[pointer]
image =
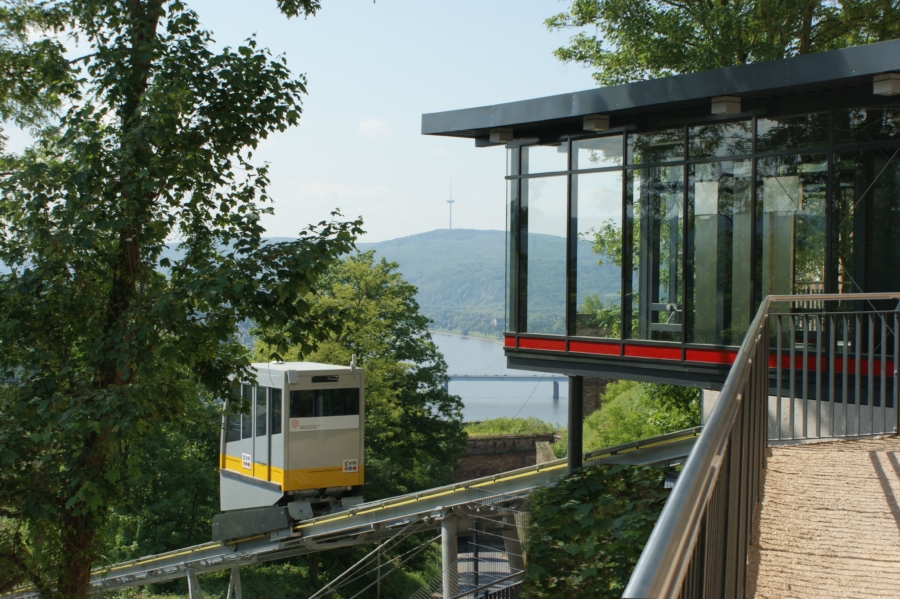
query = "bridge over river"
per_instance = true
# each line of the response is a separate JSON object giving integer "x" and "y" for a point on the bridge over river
{"x": 532, "y": 378}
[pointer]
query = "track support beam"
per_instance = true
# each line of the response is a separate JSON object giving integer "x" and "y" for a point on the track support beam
{"x": 448, "y": 554}
{"x": 234, "y": 584}
{"x": 194, "y": 590}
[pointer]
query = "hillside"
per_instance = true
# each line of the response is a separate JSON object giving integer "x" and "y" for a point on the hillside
{"x": 460, "y": 274}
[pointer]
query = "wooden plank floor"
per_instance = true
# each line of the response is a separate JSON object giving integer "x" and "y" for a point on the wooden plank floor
{"x": 828, "y": 524}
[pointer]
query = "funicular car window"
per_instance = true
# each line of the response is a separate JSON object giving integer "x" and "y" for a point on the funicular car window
{"x": 324, "y": 402}
{"x": 246, "y": 420}
{"x": 275, "y": 410}
{"x": 261, "y": 404}
{"x": 233, "y": 424}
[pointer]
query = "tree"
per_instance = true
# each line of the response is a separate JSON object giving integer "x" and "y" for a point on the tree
{"x": 414, "y": 431}
{"x": 640, "y": 39}
{"x": 587, "y": 532}
{"x": 146, "y": 138}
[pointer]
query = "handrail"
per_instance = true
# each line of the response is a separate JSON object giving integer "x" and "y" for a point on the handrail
{"x": 661, "y": 569}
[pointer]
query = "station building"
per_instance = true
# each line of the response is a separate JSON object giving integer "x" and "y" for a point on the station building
{"x": 647, "y": 221}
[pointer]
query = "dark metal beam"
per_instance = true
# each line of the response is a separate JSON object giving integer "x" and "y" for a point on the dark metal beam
{"x": 576, "y": 423}
{"x": 812, "y": 73}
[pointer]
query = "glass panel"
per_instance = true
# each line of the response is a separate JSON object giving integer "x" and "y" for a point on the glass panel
{"x": 792, "y": 132}
{"x": 351, "y": 402}
{"x": 597, "y": 212}
{"x": 867, "y": 217}
{"x": 791, "y": 199}
{"x": 233, "y": 424}
{"x": 261, "y": 404}
{"x": 512, "y": 161}
{"x": 724, "y": 139}
{"x": 542, "y": 256}
{"x": 719, "y": 193}
{"x": 234, "y": 428}
{"x": 303, "y": 404}
{"x": 657, "y": 194}
{"x": 246, "y": 420}
{"x": 324, "y": 402}
{"x": 649, "y": 148}
{"x": 275, "y": 410}
{"x": 545, "y": 159}
{"x": 512, "y": 207}
{"x": 597, "y": 152}
{"x": 869, "y": 124}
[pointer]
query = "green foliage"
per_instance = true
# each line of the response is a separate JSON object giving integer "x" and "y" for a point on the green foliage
{"x": 631, "y": 411}
{"x": 98, "y": 350}
{"x": 414, "y": 429}
{"x": 674, "y": 407}
{"x": 510, "y": 426}
{"x": 587, "y": 532}
{"x": 640, "y": 39}
{"x": 624, "y": 416}
{"x": 170, "y": 504}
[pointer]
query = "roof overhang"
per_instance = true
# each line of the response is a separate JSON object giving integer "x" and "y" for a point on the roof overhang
{"x": 845, "y": 70}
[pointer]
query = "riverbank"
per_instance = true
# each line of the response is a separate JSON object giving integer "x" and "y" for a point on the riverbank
{"x": 469, "y": 336}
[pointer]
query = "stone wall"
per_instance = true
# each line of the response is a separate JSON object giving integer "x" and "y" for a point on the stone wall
{"x": 594, "y": 389}
{"x": 495, "y": 454}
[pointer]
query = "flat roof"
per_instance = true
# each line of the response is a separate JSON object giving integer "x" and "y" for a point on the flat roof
{"x": 809, "y": 74}
{"x": 300, "y": 366}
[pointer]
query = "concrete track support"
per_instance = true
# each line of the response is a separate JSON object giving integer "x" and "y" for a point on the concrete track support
{"x": 449, "y": 565}
{"x": 234, "y": 584}
{"x": 194, "y": 590}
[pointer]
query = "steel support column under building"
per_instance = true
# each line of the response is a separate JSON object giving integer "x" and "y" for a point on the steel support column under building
{"x": 576, "y": 422}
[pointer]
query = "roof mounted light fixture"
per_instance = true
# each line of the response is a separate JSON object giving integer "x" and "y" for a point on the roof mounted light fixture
{"x": 726, "y": 105}
{"x": 596, "y": 122}
{"x": 886, "y": 84}
{"x": 501, "y": 136}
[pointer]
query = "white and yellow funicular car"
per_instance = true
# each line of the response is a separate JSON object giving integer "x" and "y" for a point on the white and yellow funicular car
{"x": 299, "y": 451}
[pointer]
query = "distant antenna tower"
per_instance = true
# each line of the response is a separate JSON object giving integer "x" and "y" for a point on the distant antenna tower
{"x": 450, "y": 201}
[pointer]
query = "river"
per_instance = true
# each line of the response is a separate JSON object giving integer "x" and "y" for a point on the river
{"x": 490, "y": 399}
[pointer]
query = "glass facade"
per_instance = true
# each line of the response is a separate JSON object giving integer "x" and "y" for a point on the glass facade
{"x": 676, "y": 235}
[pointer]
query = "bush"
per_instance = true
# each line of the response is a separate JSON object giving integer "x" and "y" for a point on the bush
{"x": 510, "y": 426}
{"x": 587, "y": 532}
{"x": 632, "y": 411}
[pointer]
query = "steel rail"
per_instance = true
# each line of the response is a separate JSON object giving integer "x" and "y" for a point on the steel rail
{"x": 661, "y": 568}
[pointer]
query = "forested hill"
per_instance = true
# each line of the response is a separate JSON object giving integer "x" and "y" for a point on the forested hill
{"x": 462, "y": 269}
{"x": 460, "y": 274}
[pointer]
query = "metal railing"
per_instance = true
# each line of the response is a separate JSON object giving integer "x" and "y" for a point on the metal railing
{"x": 807, "y": 369}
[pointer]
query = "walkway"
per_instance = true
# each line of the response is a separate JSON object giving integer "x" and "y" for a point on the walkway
{"x": 829, "y": 524}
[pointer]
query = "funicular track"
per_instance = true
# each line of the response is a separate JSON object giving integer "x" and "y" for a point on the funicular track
{"x": 369, "y": 522}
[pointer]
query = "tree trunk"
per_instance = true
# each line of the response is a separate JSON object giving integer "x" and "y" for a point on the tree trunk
{"x": 313, "y": 574}
{"x": 78, "y": 544}
{"x": 77, "y": 539}
{"x": 806, "y": 28}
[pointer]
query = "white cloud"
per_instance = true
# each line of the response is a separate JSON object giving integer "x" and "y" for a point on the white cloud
{"x": 372, "y": 128}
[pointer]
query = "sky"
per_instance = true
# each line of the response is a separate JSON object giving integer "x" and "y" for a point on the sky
{"x": 372, "y": 70}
